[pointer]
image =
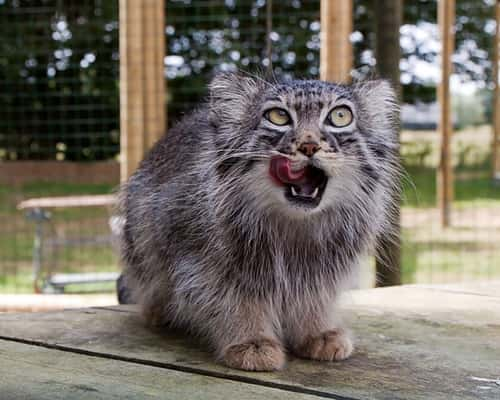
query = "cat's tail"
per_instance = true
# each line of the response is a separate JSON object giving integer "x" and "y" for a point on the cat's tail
{"x": 123, "y": 292}
{"x": 117, "y": 225}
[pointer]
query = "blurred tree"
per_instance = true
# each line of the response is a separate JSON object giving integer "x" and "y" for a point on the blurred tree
{"x": 389, "y": 14}
{"x": 59, "y": 61}
{"x": 58, "y": 79}
{"x": 420, "y": 44}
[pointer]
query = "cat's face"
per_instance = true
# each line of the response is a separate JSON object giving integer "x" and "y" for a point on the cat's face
{"x": 303, "y": 146}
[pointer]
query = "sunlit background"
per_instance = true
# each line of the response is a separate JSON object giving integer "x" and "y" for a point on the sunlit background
{"x": 60, "y": 131}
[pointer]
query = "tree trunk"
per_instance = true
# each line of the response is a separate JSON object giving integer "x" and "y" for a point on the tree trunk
{"x": 388, "y": 15}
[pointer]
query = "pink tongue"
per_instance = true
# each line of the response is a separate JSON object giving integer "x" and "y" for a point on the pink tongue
{"x": 281, "y": 170}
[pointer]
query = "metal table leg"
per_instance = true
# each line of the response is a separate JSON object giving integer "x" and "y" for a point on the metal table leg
{"x": 39, "y": 217}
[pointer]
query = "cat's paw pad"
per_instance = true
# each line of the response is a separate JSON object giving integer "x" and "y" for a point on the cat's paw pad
{"x": 255, "y": 355}
{"x": 333, "y": 345}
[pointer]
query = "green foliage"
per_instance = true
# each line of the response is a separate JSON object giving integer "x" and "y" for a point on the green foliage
{"x": 58, "y": 80}
{"x": 231, "y": 35}
{"x": 59, "y": 61}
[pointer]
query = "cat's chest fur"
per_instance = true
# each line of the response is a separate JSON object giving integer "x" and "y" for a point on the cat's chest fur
{"x": 285, "y": 258}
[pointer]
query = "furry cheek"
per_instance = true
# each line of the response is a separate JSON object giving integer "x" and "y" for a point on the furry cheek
{"x": 344, "y": 180}
{"x": 265, "y": 193}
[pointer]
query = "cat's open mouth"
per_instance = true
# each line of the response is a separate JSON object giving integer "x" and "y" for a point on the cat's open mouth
{"x": 304, "y": 186}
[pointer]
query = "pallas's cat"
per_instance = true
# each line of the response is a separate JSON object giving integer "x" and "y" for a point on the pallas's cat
{"x": 247, "y": 218}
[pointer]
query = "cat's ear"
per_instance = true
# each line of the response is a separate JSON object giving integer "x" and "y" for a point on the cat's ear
{"x": 231, "y": 95}
{"x": 379, "y": 101}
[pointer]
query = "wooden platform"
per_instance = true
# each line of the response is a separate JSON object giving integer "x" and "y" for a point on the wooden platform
{"x": 412, "y": 343}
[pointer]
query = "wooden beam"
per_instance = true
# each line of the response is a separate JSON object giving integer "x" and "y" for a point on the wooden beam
{"x": 496, "y": 98}
{"x": 446, "y": 19}
{"x": 388, "y": 18}
{"x": 142, "y": 84}
{"x": 161, "y": 52}
{"x": 336, "y": 48}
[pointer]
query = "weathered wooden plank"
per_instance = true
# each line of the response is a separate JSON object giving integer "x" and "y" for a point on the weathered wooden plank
{"x": 412, "y": 343}
{"x": 31, "y": 372}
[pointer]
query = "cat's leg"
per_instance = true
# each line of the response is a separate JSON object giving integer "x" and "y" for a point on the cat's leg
{"x": 247, "y": 339}
{"x": 316, "y": 332}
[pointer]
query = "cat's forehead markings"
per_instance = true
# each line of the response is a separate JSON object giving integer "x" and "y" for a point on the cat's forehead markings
{"x": 308, "y": 97}
{"x": 274, "y": 98}
{"x": 313, "y": 99}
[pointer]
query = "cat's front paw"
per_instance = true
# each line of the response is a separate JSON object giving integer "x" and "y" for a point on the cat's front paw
{"x": 332, "y": 345}
{"x": 255, "y": 355}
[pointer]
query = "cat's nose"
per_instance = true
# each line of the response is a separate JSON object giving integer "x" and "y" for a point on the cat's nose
{"x": 309, "y": 148}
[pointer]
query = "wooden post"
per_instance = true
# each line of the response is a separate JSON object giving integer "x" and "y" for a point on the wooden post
{"x": 446, "y": 19}
{"x": 142, "y": 82}
{"x": 496, "y": 99}
{"x": 388, "y": 17}
{"x": 336, "y": 48}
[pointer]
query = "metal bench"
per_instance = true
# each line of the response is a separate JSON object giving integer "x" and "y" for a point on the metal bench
{"x": 37, "y": 210}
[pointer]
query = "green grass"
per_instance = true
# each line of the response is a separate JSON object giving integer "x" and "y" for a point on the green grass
{"x": 16, "y": 235}
{"x": 409, "y": 259}
{"x": 21, "y": 282}
{"x": 461, "y": 251}
{"x": 16, "y": 247}
{"x": 445, "y": 262}
{"x": 480, "y": 192}
{"x": 419, "y": 189}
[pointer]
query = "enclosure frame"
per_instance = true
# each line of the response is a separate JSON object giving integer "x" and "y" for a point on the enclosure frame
{"x": 446, "y": 22}
{"x": 143, "y": 111}
{"x": 143, "y": 114}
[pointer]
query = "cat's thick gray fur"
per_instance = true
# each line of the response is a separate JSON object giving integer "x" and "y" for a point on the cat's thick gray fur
{"x": 210, "y": 246}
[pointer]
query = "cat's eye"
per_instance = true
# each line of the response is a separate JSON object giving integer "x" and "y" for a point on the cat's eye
{"x": 278, "y": 116}
{"x": 340, "y": 116}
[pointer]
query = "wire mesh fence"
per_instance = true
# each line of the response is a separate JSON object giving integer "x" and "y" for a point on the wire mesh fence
{"x": 60, "y": 128}
{"x": 59, "y": 134}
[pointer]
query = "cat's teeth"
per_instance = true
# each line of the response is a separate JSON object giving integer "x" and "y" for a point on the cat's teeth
{"x": 313, "y": 195}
